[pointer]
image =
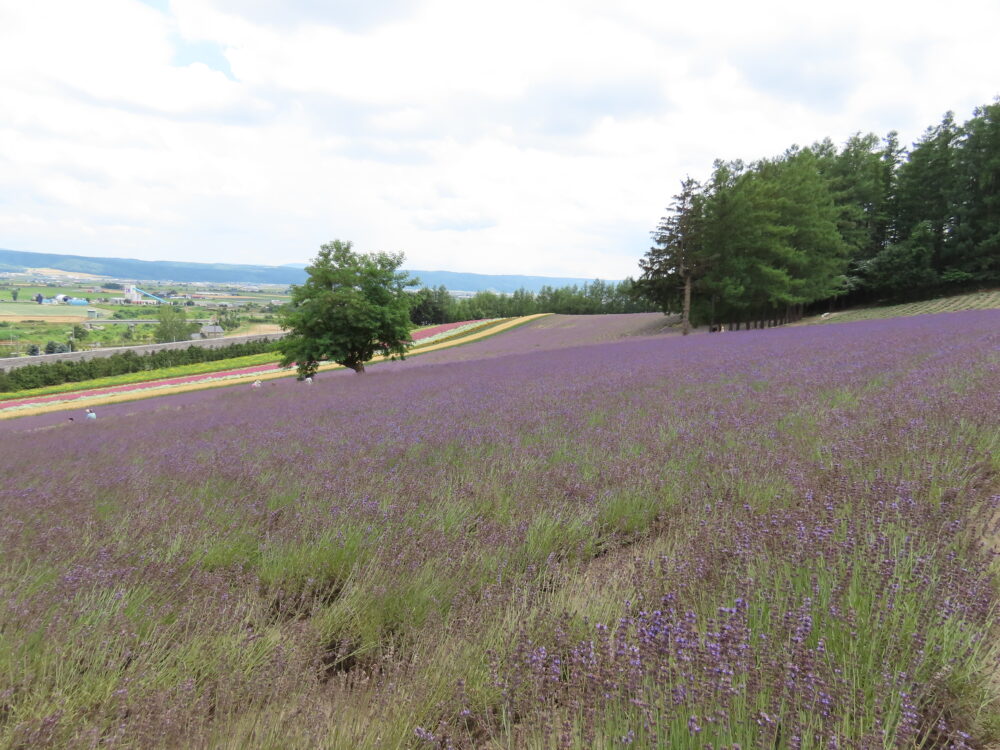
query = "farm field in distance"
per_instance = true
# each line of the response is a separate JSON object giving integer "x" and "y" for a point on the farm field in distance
{"x": 572, "y": 534}
{"x": 23, "y": 311}
{"x": 23, "y": 323}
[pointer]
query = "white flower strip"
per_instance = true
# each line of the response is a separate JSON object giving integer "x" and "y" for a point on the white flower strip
{"x": 464, "y": 328}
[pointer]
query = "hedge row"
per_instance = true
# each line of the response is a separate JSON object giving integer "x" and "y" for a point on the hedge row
{"x": 55, "y": 373}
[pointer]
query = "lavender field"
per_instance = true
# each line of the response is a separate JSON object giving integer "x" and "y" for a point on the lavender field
{"x": 558, "y": 537}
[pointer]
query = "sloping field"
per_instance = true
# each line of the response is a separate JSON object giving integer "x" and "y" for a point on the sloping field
{"x": 975, "y": 301}
{"x": 550, "y": 332}
{"x": 770, "y": 539}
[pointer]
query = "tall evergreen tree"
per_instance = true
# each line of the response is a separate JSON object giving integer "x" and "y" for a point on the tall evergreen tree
{"x": 815, "y": 252}
{"x": 926, "y": 186}
{"x": 904, "y": 269}
{"x": 860, "y": 180}
{"x": 974, "y": 253}
{"x": 677, "y": 257}
{"x": 892, "y": 156}
{"x": 817, "y": 223}
{"x": 744, "y": 236}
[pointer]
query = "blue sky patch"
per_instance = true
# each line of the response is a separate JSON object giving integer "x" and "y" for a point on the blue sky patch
{"x": 161, "y": 5}
{"x": 208, "y": 53}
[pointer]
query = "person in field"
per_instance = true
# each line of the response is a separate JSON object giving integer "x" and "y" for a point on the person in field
{"x": 91, "y": 414}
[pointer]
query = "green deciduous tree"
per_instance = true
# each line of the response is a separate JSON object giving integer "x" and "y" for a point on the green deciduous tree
{"x": 173, "y": 325}
{"x": 430, "y": 306}
{"x": 351, "y": 307}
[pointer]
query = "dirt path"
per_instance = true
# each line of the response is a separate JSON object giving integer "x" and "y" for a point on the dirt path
{"x": 257, "y": 328}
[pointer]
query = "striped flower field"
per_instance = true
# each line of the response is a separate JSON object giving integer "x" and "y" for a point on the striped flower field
{"x": 987, "y": 300}
{"x": 561, "y": 536}
{"x": 83, "y": 396}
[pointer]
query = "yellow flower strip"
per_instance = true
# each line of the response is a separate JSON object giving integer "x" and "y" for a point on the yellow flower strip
{"x": 153, "y": 391}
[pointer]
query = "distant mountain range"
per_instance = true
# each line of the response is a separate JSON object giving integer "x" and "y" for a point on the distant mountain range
{"x": 291, "y": 273}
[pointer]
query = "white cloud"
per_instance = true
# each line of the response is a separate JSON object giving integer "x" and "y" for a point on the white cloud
{"x": 523, "y": 137}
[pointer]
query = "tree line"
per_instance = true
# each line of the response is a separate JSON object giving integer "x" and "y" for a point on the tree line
{"x": 757, "y": 244}
{"x": 56, "y": 373}
{"x": 431, "y": 306}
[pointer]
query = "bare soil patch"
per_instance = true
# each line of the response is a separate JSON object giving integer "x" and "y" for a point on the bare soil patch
{"x": 260, "y": 328}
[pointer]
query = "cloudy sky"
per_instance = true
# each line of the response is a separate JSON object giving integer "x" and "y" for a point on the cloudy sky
{"x": 529, "y": 136}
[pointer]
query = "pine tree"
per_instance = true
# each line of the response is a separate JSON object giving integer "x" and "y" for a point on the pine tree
{"x": 974, "y": 254}
{"x": 677, "y": 258}
{"x": 926, "y": 187}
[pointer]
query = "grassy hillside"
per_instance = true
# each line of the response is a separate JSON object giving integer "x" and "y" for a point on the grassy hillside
{"x": 974, "y": 301}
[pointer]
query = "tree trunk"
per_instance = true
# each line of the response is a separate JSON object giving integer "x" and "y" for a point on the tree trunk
{"x": 358, "y": 367}
{"x": 686, "y": 312}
